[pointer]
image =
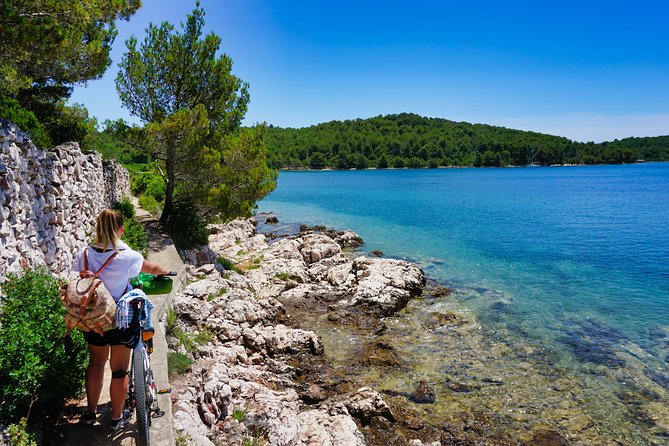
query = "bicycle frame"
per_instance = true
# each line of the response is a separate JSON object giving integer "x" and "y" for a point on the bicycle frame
{"x": 142, "y": 393}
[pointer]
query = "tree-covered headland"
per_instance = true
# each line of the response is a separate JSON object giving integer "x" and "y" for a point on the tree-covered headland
{"x": 409, "y": 140}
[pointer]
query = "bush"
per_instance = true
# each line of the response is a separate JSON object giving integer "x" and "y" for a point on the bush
{"x": 148, "y": 183}
{"x": 150, "y": 205}
{"x": 228, "y": 264}
{"x": 134, "y": 235}
{"x": 39, "y": 370}
{"x": 186, "y": 226}
{"x": 19, "y": 435}
{"x": 26, "y": 120}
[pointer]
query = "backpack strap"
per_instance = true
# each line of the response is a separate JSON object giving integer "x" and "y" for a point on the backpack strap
{"x": 87, "y": 273}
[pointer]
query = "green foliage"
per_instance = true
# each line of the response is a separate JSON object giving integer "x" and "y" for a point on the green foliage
{"x": 409, "y": 140}
{"x": 173, "y": 70}
{"x": 134, "y": 234}
{"x": 150, "y": 205}
{"x": 56, "y": 42}
{"x": 213, "y": 296}
{"x": 37, "y": 371}
{"x": 241, "y": 174}
{"x": 12, "y": 110}
{"x": 182, "y": 439}
{"x": 239, "y": 415}
{"x": 112, "y": 144}
{"x": 203, "y": 336}
{"x": 171, "y": 319}
{"x": 19, "y": 436}
{"x": 283, "y": 276}
{"x": 178, "y": 363}
{"x": 186, "y": 225}
{"x": 228, "y": 264}
{"x": 191, "y": 341}
{"x": 181, "y": 86}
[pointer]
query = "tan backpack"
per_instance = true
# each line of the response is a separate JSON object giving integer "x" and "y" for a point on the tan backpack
{"x": 89, "y": 305}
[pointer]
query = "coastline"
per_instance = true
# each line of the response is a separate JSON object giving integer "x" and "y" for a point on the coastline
{"x": 340, "y": 355}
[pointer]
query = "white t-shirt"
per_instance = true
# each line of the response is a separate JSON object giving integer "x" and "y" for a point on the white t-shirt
{"x": 116, "y": 276}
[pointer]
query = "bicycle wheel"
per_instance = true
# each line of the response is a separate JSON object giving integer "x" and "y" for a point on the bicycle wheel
{"x": 141, "y": 390}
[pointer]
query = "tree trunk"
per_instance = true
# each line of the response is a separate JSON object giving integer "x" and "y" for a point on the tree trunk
{"x": 168, "y": 208}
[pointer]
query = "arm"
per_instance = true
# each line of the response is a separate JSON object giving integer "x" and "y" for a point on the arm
{"x": 152, "y": 268}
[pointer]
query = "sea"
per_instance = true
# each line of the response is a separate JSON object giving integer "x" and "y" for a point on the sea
{"x": 564, "y": 270}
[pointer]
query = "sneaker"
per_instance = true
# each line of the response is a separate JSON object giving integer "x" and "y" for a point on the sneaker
{"x": 88, "y": 418}
{"x": 121, "y": 422}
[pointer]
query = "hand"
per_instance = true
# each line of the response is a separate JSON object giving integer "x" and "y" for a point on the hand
{"x": 171, "y": 273}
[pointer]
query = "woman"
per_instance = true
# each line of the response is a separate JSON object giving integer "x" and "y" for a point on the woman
{"x": 116, "y": 278}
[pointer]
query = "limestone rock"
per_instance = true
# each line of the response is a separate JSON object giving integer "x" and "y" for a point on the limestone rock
{"x": 367, "y": 403}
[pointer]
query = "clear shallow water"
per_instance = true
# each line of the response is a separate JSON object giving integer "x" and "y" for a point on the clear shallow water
{"x": 571, "y": 260}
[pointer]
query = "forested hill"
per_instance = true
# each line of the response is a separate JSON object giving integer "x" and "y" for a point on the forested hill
{"x": 409, "y": 140}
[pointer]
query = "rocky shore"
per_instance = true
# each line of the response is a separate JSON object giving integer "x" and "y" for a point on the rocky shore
{"x": 260, "y": 378}
{"x": 305, "y": 344}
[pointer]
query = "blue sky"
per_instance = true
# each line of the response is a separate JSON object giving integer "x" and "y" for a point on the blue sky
{"x": 587, "y": 70}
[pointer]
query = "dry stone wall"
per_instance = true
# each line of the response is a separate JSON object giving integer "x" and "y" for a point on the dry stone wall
{"x": 49, "y": 200}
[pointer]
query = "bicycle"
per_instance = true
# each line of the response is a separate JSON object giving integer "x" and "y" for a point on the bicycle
{"x": 142, "y": 394}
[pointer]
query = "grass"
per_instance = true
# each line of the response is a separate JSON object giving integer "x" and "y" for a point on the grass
{"x": 283, "y": 276}
{"x": 253, "y": 263}
{"x": 178, "y": 363}
{"x": 228, "y": 264}
{"x": 239, "y": 415}
{"x": 171, "y": 322}
{"x": 213, "y": 296}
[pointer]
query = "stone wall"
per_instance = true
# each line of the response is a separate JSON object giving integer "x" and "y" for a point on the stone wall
{"x": 49, "y": 200}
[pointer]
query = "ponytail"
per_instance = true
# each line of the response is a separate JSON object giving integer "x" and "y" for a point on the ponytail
{"x": 107, "y": 226}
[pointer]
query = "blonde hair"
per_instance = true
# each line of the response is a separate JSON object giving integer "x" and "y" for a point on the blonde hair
{"x": 107, "y": 226}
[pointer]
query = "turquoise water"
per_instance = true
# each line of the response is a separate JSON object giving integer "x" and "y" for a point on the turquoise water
{"x": 574, "y": 260}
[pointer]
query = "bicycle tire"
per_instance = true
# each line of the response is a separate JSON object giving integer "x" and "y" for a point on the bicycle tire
{"x": 141, "y": 400}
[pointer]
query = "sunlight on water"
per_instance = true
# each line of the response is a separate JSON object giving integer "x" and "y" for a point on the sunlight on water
{"x": 565, "y": 272}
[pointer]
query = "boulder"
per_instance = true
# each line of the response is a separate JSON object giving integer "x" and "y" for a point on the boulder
{"x": 386, "y": 284}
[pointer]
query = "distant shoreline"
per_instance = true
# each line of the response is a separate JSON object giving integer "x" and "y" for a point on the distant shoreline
{"x": 328, "y": 169}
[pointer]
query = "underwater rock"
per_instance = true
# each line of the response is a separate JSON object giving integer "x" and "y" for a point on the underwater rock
{"x": 548, "y": 438}
{"x": 424, "y": 394}
{"x": 377, "y": 253}
{"x": 272, "y": 220}
{"x": 460, "y": 387}
{"x": 437, "y": 291}
{"x": 379, "y": 353}
{"x": 441, "y": 319}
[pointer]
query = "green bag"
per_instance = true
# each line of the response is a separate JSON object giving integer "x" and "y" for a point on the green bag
{"x": 152, "y": 284}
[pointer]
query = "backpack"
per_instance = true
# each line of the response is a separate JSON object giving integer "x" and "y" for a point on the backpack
{"x": 89, "y": 305}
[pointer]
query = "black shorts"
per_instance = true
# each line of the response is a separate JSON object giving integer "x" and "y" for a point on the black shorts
{"x": 110, "y": 337}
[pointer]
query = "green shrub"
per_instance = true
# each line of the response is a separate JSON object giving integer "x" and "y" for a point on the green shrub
{"x": 38, "y": 371}
{"x": 150, "y": 205}
{"x": 177, "y": 363}
{"x": 19, "y": 436}
{"x": 171, "y": 322}
{"x": 12, "y": 110}
{"x": 134, "y": 235}
{"x": 228, "y": 264}
{"x": 185, "y": 225}
{"x": 148, "y": 183}
{"x": 126, "y": 208}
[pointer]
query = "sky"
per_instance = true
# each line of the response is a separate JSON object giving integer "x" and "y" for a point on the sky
{"x": 588, "y": 70}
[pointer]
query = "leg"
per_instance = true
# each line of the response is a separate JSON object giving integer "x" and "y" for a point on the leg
{"x": 95, "y": 374}
{"x": 120, "y": 359}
